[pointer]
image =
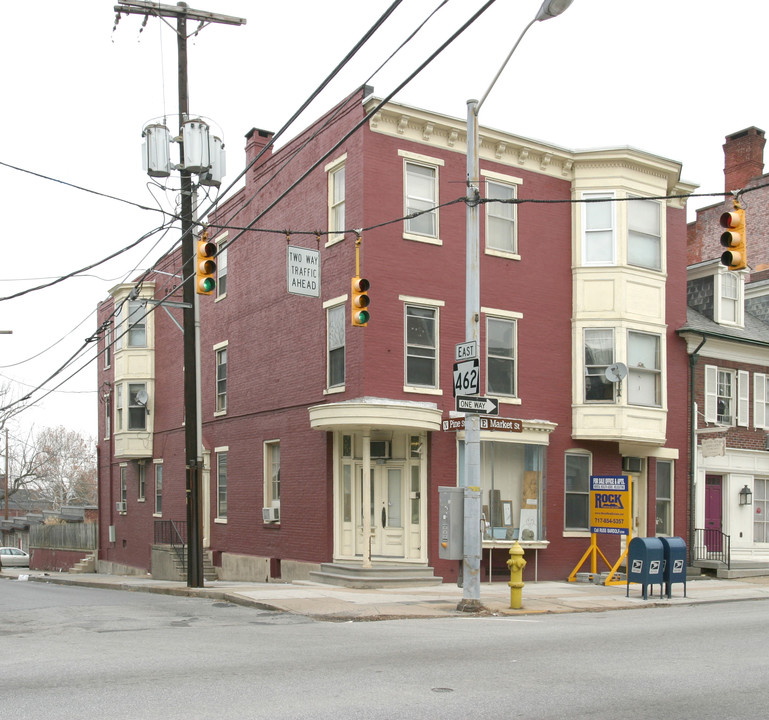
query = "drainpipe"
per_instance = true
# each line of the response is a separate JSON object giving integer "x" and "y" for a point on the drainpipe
{"x": 693, "y": 358}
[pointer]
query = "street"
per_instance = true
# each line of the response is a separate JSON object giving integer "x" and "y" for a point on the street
{"x": 75, "y": 652}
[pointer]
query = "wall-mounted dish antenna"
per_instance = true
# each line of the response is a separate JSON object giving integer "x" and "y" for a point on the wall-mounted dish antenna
{"x": 142, "y": 398}
{"x": 615, "y": 372}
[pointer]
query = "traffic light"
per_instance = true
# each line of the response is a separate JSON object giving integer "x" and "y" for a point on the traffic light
{"x": 360, "y": 301}
{"x": 205, "y": 267}
{"x": 733, "y": 238}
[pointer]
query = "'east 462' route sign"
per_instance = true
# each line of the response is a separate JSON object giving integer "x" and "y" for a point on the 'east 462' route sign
{"x": 477, "y": 405}
{"x": 467, "y": 377}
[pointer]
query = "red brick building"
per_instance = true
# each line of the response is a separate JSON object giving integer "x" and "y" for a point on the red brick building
{"x": 583, "y": 269}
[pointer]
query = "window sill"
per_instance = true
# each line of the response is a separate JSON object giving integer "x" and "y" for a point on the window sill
{"x": 220, "y": 521}
{"x": 576, "y": 533}
{"x": 506, "y": 400}
{"x": 502, "y": 254}
{"x": 219, "y": 413}
{"x": 220, "y": 297}
{"x": 334, "y": 239}
{"x": 422, "y": 238}
{"x": 422, "y": 390}
{"x": 334, "y": 390}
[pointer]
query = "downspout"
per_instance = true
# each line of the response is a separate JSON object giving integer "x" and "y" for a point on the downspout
{"x": 693, "y": 358}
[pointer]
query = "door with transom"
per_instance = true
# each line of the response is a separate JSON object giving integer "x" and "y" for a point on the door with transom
{"x": 387, "y": 510}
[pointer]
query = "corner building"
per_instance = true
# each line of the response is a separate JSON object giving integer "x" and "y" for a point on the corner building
{"x": 324, "y": 444}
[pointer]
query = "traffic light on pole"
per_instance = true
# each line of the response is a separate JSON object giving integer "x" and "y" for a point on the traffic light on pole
{"x": 735, "y": 257}
{"x": 205, "y": 266}
{"x": 360, "y": 301}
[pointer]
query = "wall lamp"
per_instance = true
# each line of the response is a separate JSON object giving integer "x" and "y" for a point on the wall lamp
{"x": 746, "y": 496}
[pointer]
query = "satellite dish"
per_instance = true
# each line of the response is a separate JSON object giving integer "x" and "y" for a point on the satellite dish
{"x": 615, "y": 372}
{"x": 142, "y": 397}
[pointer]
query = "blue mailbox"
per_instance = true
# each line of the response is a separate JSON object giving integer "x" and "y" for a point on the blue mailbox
{"x": 645, "y": 558}
{"x": 674, "y": 555}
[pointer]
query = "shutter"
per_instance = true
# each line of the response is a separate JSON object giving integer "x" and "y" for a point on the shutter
{"x": 743, "y": 398}
{"x": 711, "y": 393}
{"x": 759, "y": 400}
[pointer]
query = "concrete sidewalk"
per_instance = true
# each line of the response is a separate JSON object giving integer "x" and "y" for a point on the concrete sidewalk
{"x": 328, "y": 602}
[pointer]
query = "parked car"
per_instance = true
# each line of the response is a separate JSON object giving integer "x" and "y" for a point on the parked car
{"x": 13, "y": 557}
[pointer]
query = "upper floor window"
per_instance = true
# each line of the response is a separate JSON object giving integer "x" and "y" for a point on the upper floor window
{"x": 137, "y": 406}
{"x": 500, "y": 217}
{"x": 644, "y": 242}
{"x": 136, "y": 325}
{"x": 221, "y": 270}
{"x": 158, "y": 487}
{"x": 577, "y": 492}
{"x": 141, "y": 475}
{"x": 599, "y": 354}
{"x": 336, "y": 202}
{"x": 644, "y": 369}
{"x": 500, "y": 356}
{"x": 421, "y": 346}
{"x": 108, "y": 345}
{"x": 272, "y": 473}
{"x": 221, "y": 482}
{"x": 760, "y": 400}
{"x": 221, "y": 378}
{"x": 420, "y": 183}
{"x": 335, "y": 327}
{"x": 118, "y": 407}
{"x": 598, "y": 243}
{"x": 729, "y": 286}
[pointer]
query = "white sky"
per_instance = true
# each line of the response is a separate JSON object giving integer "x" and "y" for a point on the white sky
{"x": 663, "y": 76}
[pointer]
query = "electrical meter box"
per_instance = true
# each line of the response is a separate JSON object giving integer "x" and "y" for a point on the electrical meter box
{"x": 451, "y": 522}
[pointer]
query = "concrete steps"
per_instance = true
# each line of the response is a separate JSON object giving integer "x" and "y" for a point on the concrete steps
{"x": 380, "y": 575}
{"x": 86, "y": 565}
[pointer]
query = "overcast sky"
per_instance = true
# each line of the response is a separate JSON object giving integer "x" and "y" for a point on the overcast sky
{"x": 664, "y": 76}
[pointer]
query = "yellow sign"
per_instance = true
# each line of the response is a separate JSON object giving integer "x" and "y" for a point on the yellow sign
{"x": 610, "y": 504}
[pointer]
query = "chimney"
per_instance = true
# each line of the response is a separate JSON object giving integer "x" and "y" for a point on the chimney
{"x": 255, "y": 140}
{"x": 743, "y": 158}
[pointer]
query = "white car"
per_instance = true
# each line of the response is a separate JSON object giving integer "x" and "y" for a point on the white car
{"x": 13, "y": 557}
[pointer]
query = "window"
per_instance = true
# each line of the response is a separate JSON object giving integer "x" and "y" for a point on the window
{"x": 108, "y": 345}
{"x": 137, "y": 406}
{"x": 221, "y": 379}
{"x": 598, "y": 240}
{"x": 123, "y": 485}
{"x": 141, "y": 474}
{"x": 221, "y": 482}
{"x": 729, "y": 297}
{"x": 422, "y": 197}
{"x": 760, "y": 400}
{"x": 421, "y": 346}
{"x": 643, "y": 234}
{"x": 599, "y": 354}
{"x": 335, "y": 328}
{"x": 725, "y": 395}
{"x": 664, "y": 522}
{"x": 577, "y": 492}
{"x": 221, "y": 269}
{"x": 500, "y": 217}
{"x": 761, "y": 510}
{"x": 119, "y": 408}
{"x": 137, "y": 324}
{"x": 272, "y": 473}
{"x": 644, "y": 374}
{"x": 336, "y": 202}
{"x": 500, "y": 356}
{"x": 107, "y": 416}
{"x": 158, "y": 488}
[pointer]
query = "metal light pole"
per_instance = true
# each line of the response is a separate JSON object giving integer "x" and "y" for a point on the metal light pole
{"x": 471, "y": 571}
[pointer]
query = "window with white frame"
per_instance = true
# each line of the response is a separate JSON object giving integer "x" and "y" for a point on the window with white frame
{"x": 500, "y": 356}
{"x": 664, "y": 519}
{"x": 134, "y": 329}
{"x": 108, "y": 345}
{"x": 760, "y": 400}
{"x": 421, "y": 346}
{"x": 599, "y": 354}
{"x": 644, "y": 240}
{"x": 107, "y": 416}
{"x": 124, "y": 486}
{"x": 644, "y": 379}
{"x": 500, "y": 217}
{"x": 220, "y": 353}
{"x": 598, "y": 236}
{"x": 221, "y": 482}
{"x": 729, "y": 297}
{"x": 141, "y": 476}
{"x": 720, "y": 395}
{"x": 118, "y": 407}
{"x": 158, "y": 488}
{"x": 272, "y": 473}
{"x": 137, "y": 406}
{"x": 421, "y": 197}
{"x": 336, "y": 199}
{"x": 577, "y": 492}
{"x": 335, "y": 342}
{"x": 761, "y": 510}
{"x": 221, "y": 267}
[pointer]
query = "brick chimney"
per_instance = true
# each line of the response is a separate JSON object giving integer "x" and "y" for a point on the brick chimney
{"x": 255, "y": 140}
{"x": 743, "y": 158}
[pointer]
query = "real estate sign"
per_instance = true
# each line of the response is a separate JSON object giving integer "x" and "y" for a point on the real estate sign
{"x": 610, "y": 504}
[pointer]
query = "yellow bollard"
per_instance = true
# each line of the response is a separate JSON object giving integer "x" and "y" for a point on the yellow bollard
{"x": 516, "y": 563}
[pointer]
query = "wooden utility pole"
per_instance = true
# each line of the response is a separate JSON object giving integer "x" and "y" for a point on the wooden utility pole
{"x": 193, "y": 441}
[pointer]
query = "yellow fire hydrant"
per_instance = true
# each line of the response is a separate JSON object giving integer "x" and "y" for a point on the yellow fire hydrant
{"x": 516, "y": 563}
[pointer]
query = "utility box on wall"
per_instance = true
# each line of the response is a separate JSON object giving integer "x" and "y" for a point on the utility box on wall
{"x": 451, "y": 521}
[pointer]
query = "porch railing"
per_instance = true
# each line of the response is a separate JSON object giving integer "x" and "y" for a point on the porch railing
{"x": 710, "y": 544}
{"x": 173, "y": 533}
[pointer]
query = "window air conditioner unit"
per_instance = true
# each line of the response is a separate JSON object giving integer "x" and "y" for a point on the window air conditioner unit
{"x": 380, "y": 449}
{"x": 120, "y": 507}
{"x": 271, "y": 514}
{"x": 632, "y": 464}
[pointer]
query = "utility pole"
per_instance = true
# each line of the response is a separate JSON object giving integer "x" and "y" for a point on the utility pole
{"x": 193, "y": 441}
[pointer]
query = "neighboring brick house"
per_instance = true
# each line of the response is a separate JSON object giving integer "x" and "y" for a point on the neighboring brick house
{"x": 579, "y": 275}
{"x": 727, "y": 334}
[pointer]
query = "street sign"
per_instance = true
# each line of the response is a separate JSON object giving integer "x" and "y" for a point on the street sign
{"x": 477, "y": 405}
{"x": 467, "y": 377}
{"x": 487, "y": 423}
{"x": 466, "y": 350}
{"x": 303, "y": 271}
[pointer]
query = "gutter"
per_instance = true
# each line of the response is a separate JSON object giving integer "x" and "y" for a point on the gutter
{"x": 693, "y": 358}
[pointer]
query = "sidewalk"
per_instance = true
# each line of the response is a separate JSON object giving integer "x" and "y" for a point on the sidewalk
{"x": 328, "y": 602}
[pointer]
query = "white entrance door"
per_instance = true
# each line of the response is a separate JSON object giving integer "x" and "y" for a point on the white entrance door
{"x": 387, "y": 509}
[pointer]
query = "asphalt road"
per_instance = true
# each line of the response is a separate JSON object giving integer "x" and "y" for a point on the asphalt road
{"x": 73, "y": 652}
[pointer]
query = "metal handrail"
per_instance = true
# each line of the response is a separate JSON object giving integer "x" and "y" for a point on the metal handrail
{"x": 173, "y": 533}
{"x": 712, "y": 544}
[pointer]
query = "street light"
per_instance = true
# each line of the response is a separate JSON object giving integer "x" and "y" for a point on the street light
{"x": 471, "y": 587}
